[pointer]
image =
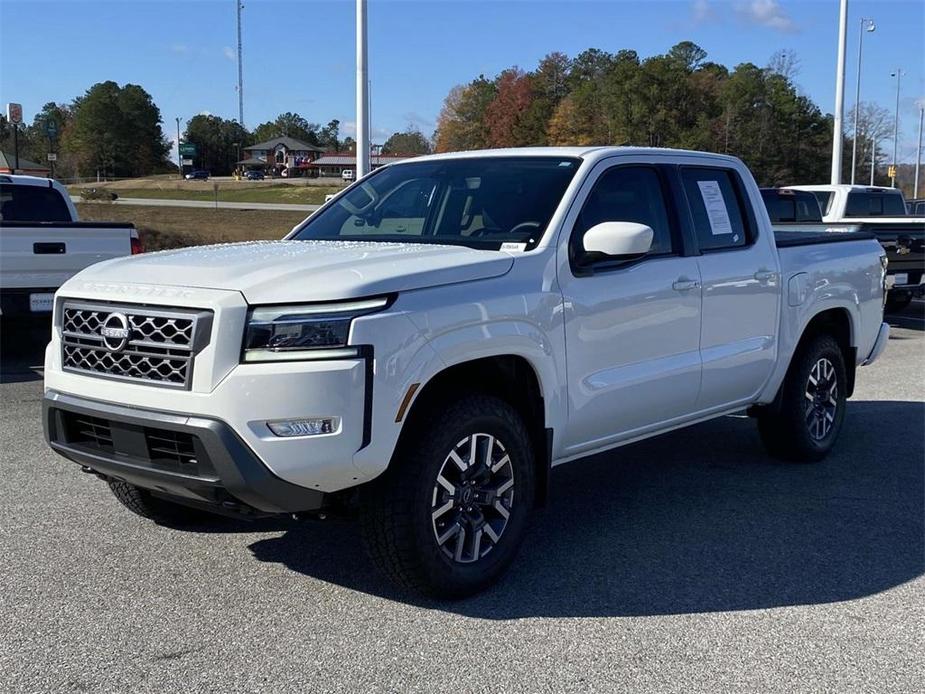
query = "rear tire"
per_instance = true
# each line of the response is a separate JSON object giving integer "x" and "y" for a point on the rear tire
{"x": 813, "y": 399}
{"x": 437, "y": 522}
{"x": 141, "y": 502}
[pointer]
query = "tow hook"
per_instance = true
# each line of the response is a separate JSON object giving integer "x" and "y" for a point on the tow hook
{"x": 90, "y": 471}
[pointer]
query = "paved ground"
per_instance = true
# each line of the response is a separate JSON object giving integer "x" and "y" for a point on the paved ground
{"x": 682, "y": 564}
{"x": 150, "y": 202}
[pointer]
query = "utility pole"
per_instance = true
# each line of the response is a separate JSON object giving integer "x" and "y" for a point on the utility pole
{"x": 179, "y": 158}
{"x": 869, "y": 26}
{"x": 839, "y": 93}
{"x": 240, "y": 6}
{"x": 873, "y": 158}
{"x": 362, "y": 93}
{"x": 898, "y": 75}
{"x": 918, "y": 153}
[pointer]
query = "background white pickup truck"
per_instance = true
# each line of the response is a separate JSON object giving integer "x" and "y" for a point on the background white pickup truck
{"x": 42, "y": 243}
{"x": 881, "y": 212}
{"x": 428, "y": 345}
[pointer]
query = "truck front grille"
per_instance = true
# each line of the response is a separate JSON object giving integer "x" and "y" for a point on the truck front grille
{"x": 137, "y": 343}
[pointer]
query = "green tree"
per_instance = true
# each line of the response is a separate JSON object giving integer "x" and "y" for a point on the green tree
{"x": 411, "y": 141}
{"x": 460, "y": 125}
{"x": 290, "y": 125}
{"x": 117, "y": 131}
{"x": 329, "y": 136}
{"x": 215, "y": 140}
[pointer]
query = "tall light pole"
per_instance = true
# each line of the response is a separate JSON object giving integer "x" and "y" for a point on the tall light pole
{"x": 873, "y": 158}
{"x": 240, "y": 6}
{"x": 179, "y": 160}
{"x": 918, "y": 152}
{"x": 869, "y": 26}
{"x": 839, "y": 93}
{"x": 898, "y": 74}
{"x": 362, "y": 93}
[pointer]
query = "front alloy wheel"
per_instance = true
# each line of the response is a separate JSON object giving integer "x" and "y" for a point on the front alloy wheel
{"x": 472, "y": 498}
{"x": 447, "y": 517}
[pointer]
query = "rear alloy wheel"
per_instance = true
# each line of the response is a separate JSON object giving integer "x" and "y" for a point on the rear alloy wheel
{"x": 812, "y": 404}
{"x": 448, "y": 516}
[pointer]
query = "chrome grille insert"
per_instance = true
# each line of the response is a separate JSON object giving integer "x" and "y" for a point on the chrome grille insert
{"x": 153, "y": 345}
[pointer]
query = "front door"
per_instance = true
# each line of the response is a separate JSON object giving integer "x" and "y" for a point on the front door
{"x": 632, "y": 330}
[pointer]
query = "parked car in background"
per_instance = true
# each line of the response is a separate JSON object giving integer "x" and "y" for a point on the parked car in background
{"x": 916, "y": 208}
{"x": 347, "y": 174}
{"x": 254, "y": 175}
{"x": 882, "y": 212}
{"x": 425, "y": 348}
{"x": 198, "y": 175}
{"x": 43, "y": 244}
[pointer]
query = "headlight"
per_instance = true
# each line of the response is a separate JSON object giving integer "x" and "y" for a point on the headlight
{"x": 310, "y": 331}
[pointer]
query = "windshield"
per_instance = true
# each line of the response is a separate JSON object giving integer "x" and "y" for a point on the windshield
{"x": 479, "y": 202}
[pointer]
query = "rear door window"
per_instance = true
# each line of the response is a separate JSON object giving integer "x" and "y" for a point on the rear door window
{"x": 718, "y": 214}
{"x": 874, "y": 204}
{"x": 19, "y": 203}
{"x": 825, "y": 199}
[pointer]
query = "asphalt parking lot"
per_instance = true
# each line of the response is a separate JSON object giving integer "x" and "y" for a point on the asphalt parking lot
{"x": 691, "y": 562}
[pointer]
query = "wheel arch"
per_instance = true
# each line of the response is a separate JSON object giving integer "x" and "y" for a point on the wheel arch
{"x": 510, "y": 377}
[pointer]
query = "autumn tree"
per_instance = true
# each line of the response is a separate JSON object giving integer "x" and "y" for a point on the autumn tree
{"x": 461, "y": 124}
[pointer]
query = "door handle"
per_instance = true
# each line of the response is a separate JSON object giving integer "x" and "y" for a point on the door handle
{"x": 682, "y": 284}
{"x": 765, "y": 275}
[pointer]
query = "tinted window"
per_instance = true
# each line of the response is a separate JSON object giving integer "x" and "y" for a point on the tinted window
{"x": 791, "y": 206}
{"x": 20, "y": 203}
{"x": 918, "y": 209}
{"x": 825, "y": 199}
{"x": 480, "y": 202}
{"x": 875, "y": 204}
{"x": 626, "y": 194}
{"x": 719, "y": 220}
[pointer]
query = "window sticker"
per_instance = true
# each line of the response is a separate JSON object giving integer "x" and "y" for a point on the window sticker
{"x": 513, "y": 247}
{"x": 716, "y": 207}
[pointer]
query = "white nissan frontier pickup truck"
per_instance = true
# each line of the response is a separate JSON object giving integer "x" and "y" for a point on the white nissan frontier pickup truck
{"x": 424, "y": 348}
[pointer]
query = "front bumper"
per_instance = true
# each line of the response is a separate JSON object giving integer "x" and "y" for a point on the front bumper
{"x": 194, "y": 459}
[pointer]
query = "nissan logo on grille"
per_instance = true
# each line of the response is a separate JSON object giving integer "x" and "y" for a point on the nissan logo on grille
{"x": 115, "y": 332}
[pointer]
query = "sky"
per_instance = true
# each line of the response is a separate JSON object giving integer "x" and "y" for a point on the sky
{"x": 300, "y": 55}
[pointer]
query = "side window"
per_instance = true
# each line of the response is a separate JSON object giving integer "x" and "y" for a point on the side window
{"x": 719, "y": 220}
{"x": 626, "y": 194}
{"x": 825, "y": 200}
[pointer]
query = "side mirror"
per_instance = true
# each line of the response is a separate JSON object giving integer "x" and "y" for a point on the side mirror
{"x": 624, "y": 240}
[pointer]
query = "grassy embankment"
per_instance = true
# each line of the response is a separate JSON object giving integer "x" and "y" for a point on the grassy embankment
{"x": 174, "y": 227}
{"x": 299, "y": 191}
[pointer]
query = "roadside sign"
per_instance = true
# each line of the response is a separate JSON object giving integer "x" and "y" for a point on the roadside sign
{"x": 891, "y": 171}
{"x": 51, "y": 129}
{"x": 187, "y": 149}
{"x": 186, "y": 162}
{"x": 52, "y": 156}
{"x": 14, "y": 113}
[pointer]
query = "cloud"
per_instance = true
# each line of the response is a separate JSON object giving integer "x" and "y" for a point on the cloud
{"x": 348, "y": 128}
{"x": 229, "y": 53}
{"x": 418, "y": 121}
{"x": 701, "y": 11}
{"x": 766, "y": 13}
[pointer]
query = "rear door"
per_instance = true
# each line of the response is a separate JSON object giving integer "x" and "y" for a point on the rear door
{"x": 738, "y": 266}
{"x": 632, "y": 329}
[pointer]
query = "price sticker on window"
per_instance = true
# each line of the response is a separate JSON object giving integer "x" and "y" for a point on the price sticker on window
{"x": 716, "y": 207}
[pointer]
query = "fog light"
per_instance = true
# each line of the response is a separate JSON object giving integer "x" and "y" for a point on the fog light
{"x": 310, "y": 426}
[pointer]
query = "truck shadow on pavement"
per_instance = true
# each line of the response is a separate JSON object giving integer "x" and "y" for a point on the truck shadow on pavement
{"x": 700, "y": 520}
{"x": 22, "y": 349}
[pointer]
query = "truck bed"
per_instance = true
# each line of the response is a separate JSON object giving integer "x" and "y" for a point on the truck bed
{"x": 789, "y": 239}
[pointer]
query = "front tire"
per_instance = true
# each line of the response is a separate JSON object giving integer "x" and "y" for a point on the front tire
{"x": 448, "y": 516}
{"x": 142, "y": 503}
{"x": 812, "y": 404}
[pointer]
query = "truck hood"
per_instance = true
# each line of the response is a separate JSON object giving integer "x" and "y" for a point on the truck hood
{"x": 296, "y": 271}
